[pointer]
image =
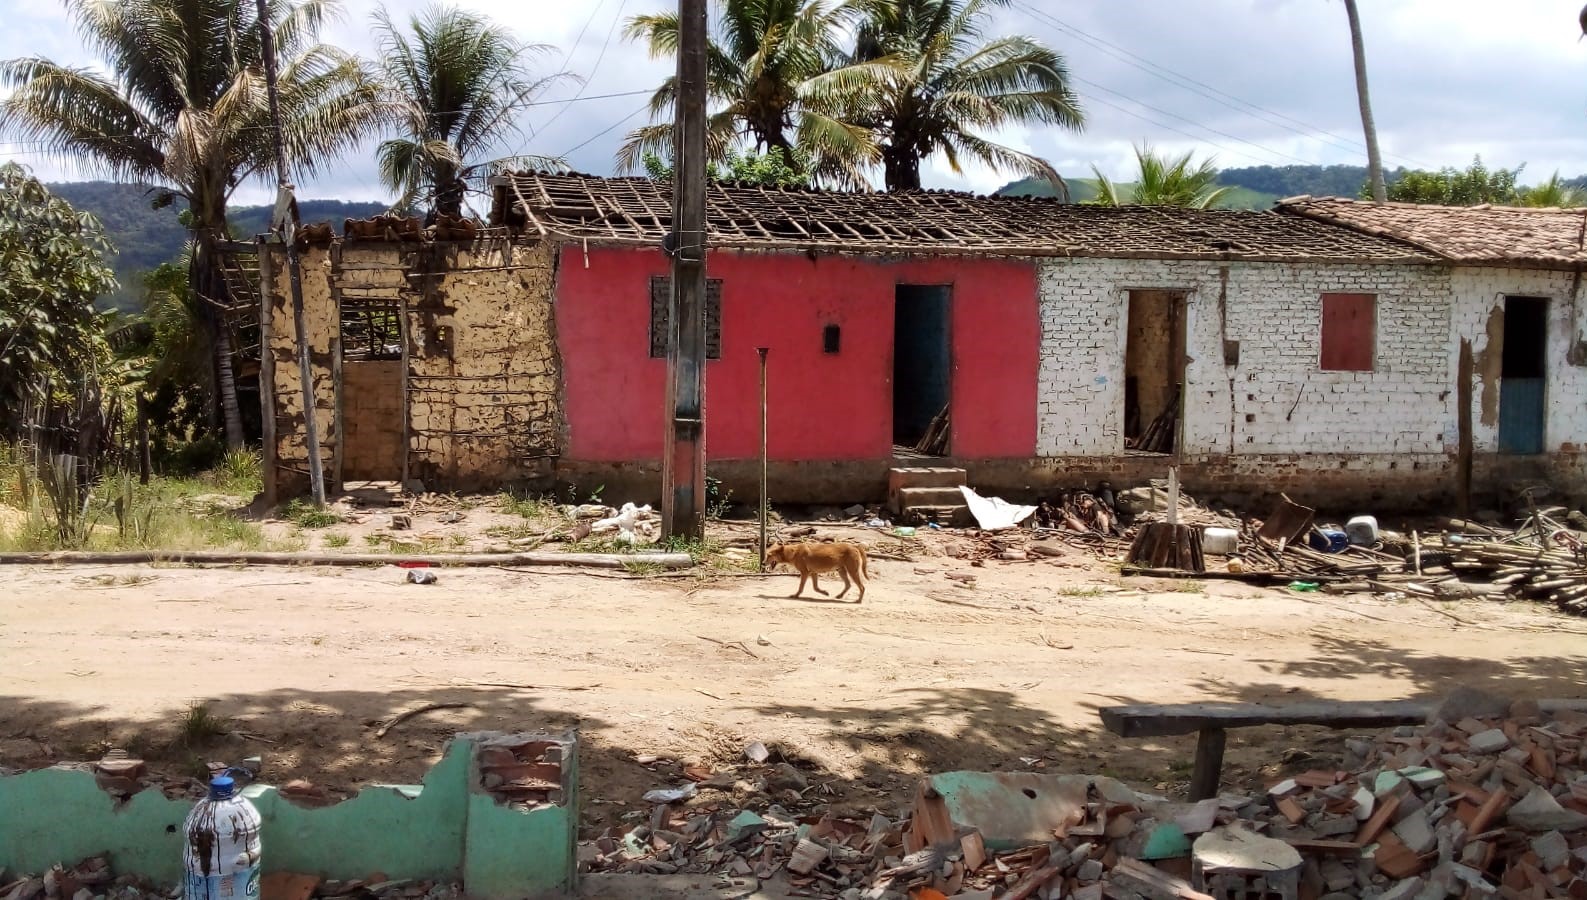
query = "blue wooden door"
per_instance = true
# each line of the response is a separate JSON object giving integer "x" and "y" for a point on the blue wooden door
{"x": 1521, "y": 415}
{"x": 1522, "y": 385}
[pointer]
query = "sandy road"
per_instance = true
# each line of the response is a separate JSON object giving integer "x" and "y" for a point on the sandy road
{"x": 926, "y": 675}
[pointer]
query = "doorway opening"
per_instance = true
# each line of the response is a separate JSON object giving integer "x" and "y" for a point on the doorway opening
{"x": 1521, "y": 375}
{"x": 921, "y": 369}
{"x": 1154, "y": 370}
{"x": 371, "y": 390}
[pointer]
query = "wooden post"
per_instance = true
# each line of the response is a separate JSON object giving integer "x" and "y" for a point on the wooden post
{"x": 765, "y": 503}
{"x": 269, "y": 458}
{"x": 1209, "y": 763}
{"x": 144, "y": 462}
{"x": 288, "y": 232}
{"x": 683, "y": 462}
{"x": 1463, "y": 400}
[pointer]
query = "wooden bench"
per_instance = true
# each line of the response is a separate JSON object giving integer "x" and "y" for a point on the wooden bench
{"x": 1211, "y": 721}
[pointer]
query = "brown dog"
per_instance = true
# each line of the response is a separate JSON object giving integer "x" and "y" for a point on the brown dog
{"x": 811, "y": 559}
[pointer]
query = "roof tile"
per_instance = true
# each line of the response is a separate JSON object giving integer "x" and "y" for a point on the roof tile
{"x": 1490, "y": 235}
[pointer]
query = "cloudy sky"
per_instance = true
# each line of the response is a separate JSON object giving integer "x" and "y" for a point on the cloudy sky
{"x": 1249, "y": 81}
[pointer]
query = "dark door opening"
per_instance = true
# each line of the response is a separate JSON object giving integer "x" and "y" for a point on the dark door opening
{"x": 1154, "y": 366}
{"x": 1521, "y": 376}
{"x": 921, "y": 363}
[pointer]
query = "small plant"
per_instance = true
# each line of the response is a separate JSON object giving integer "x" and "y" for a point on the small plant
{"x": 1079, "y": 590}
{"x": 199, "y": 726}
{"x": 457, "y": 541}
{"x": 377, "y": 541}
{"x": 240, "y": 472}
{"x": 526, "y": 507}
{"x": 642, "y": 567}
{"x": 303, "y": 514}
{"x": 337, "y": 539}
{"x": 717, "y": 499}
{"x": 1188, "y": 587}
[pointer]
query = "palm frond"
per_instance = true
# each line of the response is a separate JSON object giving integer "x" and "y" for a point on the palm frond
{"x": 79, "y": 115}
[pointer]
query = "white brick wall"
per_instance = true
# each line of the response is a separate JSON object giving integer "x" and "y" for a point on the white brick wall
{"x": 1276, "y": 400}
{"x": 1478, "y": 293}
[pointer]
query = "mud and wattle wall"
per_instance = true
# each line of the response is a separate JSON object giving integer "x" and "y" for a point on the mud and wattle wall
{"x": 478, "y": 399}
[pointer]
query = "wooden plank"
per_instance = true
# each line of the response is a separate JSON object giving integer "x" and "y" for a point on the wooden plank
{"x": 1349, "y": 332}
{"x": 1152, "y": 720}
{"x": 1205, "y": 776}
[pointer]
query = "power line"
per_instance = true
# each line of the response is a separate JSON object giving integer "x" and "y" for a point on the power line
{"x": 618, "y": 17}
{"x": 1130, "y": 112}
{"x": 603, "y": 132}
{"x": 1201, "y": 88}
{"x": 1164, "y": 112}
{"x": 49, "y": 144}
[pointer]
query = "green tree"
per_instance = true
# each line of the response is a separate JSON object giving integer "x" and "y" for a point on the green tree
{"x": 455, "y": 82}
{"x": 1555, "y": 193}
{"x": 1455, "y": 187}
{"x": 764, "y": 169}
{"x": 52, "y": 269}
{"x": 762, "y": 54}
{"x": 1165, "y": 181}
{"x": 184, "y": 109}
{"x": 933, "y": 80}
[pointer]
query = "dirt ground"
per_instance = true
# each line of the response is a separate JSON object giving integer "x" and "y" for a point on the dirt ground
{"x": 928, "y": 674}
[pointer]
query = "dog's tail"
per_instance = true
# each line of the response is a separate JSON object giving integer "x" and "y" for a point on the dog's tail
{"x": 865, "y": 563}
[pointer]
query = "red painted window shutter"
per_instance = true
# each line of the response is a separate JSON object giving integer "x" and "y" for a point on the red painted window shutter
{"x": 1349, "y": 332}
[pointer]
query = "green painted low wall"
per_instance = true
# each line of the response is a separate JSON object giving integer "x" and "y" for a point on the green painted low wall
{"x": 448, "y": 829}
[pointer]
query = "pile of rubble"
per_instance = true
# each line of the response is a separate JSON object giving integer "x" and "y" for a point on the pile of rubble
{"x": 92, "y": 879}
{"x": 1485, "y": 806}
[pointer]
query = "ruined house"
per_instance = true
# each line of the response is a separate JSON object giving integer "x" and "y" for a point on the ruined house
{"x": 1312, "y": 349}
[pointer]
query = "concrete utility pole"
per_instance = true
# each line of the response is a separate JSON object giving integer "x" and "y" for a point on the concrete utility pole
{"x": 284, "y": 222}
{"x": 683, "y": 460}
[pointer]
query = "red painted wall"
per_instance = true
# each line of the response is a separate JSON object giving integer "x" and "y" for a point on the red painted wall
{"x": 823, "y": 406}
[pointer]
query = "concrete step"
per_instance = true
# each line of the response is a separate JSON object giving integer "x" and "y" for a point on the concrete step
{"x": 911, "y": 497}
{"x": 947, "y": 516}
{"x": 924, "y": 477}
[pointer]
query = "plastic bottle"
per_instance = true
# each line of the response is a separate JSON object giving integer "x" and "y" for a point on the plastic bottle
{"x": 221, "y": 852}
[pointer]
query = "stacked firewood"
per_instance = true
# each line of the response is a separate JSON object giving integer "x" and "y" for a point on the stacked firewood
{"x": 1556, "y": 575}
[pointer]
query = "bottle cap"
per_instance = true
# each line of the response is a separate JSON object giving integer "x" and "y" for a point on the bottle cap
{"x": 221, "y": 787}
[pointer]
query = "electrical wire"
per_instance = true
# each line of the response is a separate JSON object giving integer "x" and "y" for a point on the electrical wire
{"x": 618, "y": 17}
{"x": 1201, "y": 88}
{"x": 603, "y": 132}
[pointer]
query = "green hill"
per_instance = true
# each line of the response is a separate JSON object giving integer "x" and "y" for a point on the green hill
{"x": 144, "y": 236}
{"x": 1083, "y": 190}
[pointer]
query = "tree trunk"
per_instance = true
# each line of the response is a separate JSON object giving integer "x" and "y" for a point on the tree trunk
{"x": 210, "y": 286}
{"x": 902, "y": 169}
{"x": 1374, "y": 160}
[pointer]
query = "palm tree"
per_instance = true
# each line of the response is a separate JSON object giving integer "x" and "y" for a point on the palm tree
{"x": 455, "y": 82}
{"x": 943, "y": 82}
{"x": 1165, "y": 181}
{"x": 183, "y": 108}
{"x": 1363, "y": 97}
{"x": 1553, "y": 193}
{"x": 760, "y": 58}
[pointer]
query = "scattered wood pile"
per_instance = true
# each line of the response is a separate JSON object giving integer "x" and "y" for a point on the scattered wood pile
{"x": 1159, "y": 435}
{"x": 935, "y": 441}
{"x": 1486, "y": 806}
{"x": 1554, "y": 575}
